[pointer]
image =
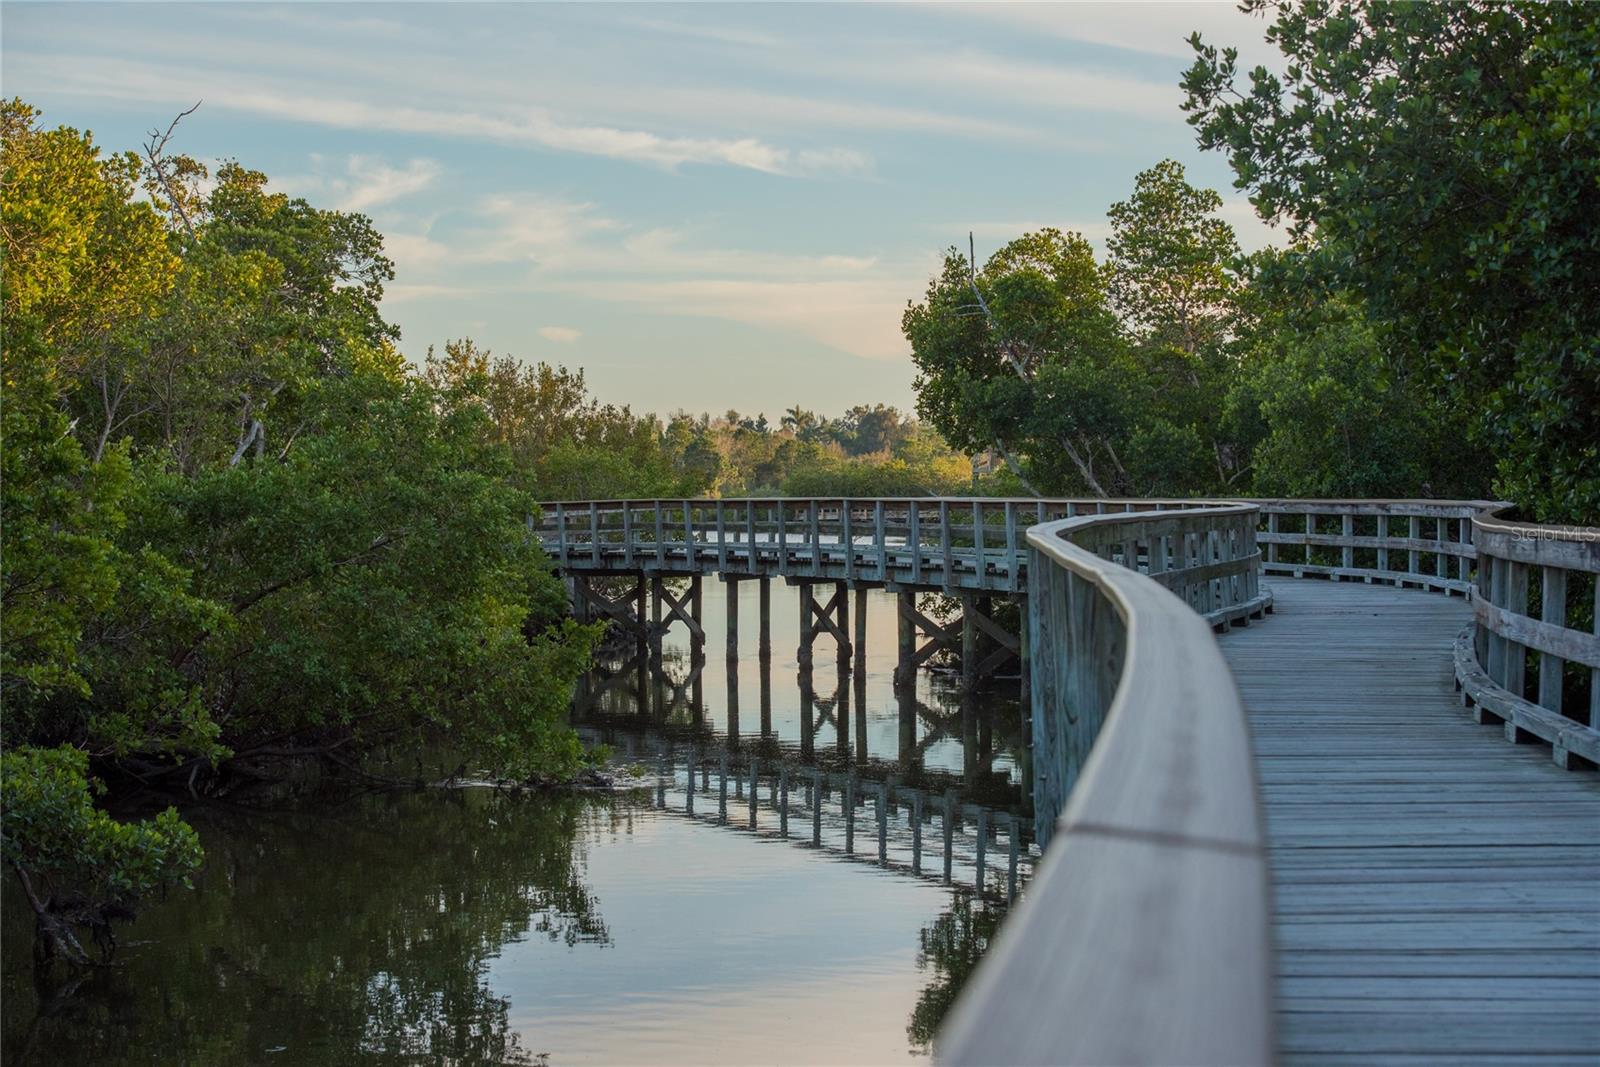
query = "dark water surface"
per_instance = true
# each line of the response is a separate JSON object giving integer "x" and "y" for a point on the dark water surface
{"x": 467, "y": 927}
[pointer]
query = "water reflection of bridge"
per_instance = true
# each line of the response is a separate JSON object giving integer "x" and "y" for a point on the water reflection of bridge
{"x": 636, "y": 689}
{"x": 866, "y": 813}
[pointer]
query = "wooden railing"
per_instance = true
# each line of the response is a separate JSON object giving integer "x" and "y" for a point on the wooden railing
{"x": 1407, "y": 542}
{"x": 1144, "y": 937}
{"x": 1535, "y": 634}
{"x": 952, "y": 543}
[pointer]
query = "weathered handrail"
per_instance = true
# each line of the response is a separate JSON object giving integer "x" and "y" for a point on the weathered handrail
{"x": 1147, "y": 922}
{"x": 1535, "y": 616}
{"x": 920, "y": 542}
{"x": 1358, "y": 539}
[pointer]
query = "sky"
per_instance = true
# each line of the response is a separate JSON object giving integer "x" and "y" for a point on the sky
{"x": 705, "y": 206}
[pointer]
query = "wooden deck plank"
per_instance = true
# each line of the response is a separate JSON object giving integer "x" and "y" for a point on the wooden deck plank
{"x": 1437, "y": 890}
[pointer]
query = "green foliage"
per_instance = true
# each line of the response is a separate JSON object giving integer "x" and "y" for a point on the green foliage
{"x": 1343, "y": 419}
{"x": 76, "y": 864}
{"x": 1445, "y": 159}
{"x": 1030, "y": 358}
{"x": 269, "y": 951}
{"x": 177, "y": 594}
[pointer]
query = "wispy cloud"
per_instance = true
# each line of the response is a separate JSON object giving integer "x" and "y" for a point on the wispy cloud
{"x": 1159, "y": 29}
{"x": 849, "y": 302}
{"x": 363, "y": 182}
{"x": 527, "y": 125}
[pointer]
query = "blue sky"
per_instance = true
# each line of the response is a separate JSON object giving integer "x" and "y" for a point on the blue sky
{"x": 705, "y": 206}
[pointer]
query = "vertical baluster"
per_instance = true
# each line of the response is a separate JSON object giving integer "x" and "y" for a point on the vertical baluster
{"x": 661, "y": 535}
{"x": 627, "y": 533}
{"x": 847, "y": 538}
{"x": 977, "y": 541}
{"x": 1013, "y": 566}
{"x": 1594, "y": 672}
{"x": 750, "y": 535}
{"x": 783, "y": 538}
{"x": 881, "y": 539}
{"x": 944, "y": 543}
{"x": 1553, "y": 610}
{"x": 815, "y": 534}
{"x": 914, "y": 538}
{"x": 722, "y": 537}
{"x": 561, "y": 534}
{"x": 688, "y": 533}
{"x": 1347, "y": 552}
{"x": 1516, "y": 665}
{"x": 1414, "y": 531}
{"x": 1272, "y": 543}
{"x": 1492, "y": 575}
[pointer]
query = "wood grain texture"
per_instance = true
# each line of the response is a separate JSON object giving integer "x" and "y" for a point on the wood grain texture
{"x": 1436, "y": 891}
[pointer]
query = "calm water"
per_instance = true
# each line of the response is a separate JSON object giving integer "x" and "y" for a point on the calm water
{"x": 470, "y": 927}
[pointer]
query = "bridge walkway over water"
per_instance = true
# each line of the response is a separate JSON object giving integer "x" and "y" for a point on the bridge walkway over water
{"x": 1436, "y": 892}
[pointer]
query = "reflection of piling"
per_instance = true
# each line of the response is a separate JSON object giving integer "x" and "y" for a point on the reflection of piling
{"x": 765, "y": 650}
{"x": 766, "y": 696}
{"x": 883, "y": 822}
{"x": 916, "y": 833}
{"x": 1012, "y": 849}
{"x": 888, "y": 797}
{"x": 906, "y": 699}
{"x": 722, "y": 790}
{"x": 816, "y": 808}
{"x": 949, "y": 832}
{"x": 783, "y": 802}
{"x": 983, "y": 845}
{"x": 755, "y": 791}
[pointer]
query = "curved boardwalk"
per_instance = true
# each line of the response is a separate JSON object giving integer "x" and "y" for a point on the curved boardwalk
{"x": 1437, "y": 891}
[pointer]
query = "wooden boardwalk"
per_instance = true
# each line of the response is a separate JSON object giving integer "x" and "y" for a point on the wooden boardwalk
{"x": 1436, "y": 890}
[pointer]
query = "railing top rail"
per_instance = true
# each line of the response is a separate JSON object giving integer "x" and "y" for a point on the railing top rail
{"x": 1172, "y": 664}
{"x": 1157, "y": 879}
{"x": 646, "y": 502}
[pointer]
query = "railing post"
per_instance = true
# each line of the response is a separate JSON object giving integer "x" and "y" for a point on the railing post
{"x": 722, "y": 537}
{"x": 594, "y": 533}
{"x": 750, "y": 535}
{"x": 627, "y": 533}
{"x": 783, "y": 538}
{"x": 561, "y": 534}
{"x": 944, "y": 541}
{"x": 848, "y": 539}
{"x": 1516, "y": 655}
{"x": 914, "y": 539}
{"x": 880, "y": 536}
{"x": 661, "y": 536}
{"x": 977, "y": 540}
{"x": 1012, "y": 564}
{"x": 1553, "y": 609}
{"x": 816, "y": 539}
